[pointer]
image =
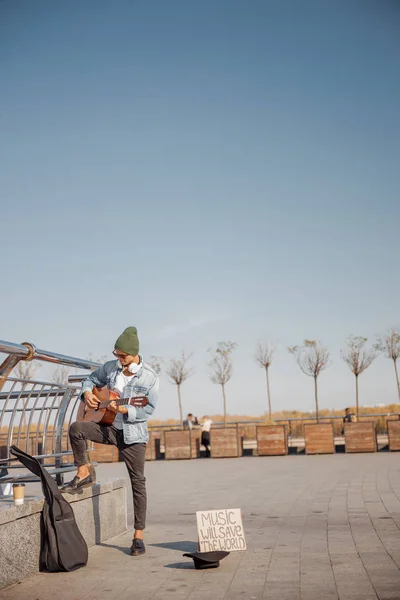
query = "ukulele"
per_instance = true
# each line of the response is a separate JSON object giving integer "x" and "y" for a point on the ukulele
{"x": 102, "y": 415}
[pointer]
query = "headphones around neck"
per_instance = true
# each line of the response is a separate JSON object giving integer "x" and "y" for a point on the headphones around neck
{"x": 132, "y": 368}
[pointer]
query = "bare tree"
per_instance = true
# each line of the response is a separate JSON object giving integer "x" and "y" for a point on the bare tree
{"x": 26, "y": 369}
{"x": 358, "y": 358}
{"x": 178, "y": 371}
{"x": 221, "y": 367}
{"x": 101, "y": 359}
{"x": 389, "y": 344}
{"x": 312, "y": 358}
{"x": 264, "y": 356}
{"x": 60, "y": 375}
{"x": 156, "y": 363}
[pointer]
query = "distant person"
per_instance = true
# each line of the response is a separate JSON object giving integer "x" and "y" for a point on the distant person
{"x": 190, "y": 421}
{"x": 206, "y": 423}
{"x": 349, "y": 417}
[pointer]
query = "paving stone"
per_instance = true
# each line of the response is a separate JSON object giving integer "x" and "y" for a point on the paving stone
{"x": 317, "y": 528}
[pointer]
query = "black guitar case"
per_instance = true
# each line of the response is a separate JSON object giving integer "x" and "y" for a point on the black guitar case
{"x": 62, "y": 546}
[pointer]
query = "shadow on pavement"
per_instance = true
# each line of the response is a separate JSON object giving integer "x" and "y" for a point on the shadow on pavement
{"x": 182, "y": 565}
{"x": 184, "y": 546}
{"x": 124, "y": 549}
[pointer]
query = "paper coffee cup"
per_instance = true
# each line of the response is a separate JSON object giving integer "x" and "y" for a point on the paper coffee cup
{"x": 18, "y": 492}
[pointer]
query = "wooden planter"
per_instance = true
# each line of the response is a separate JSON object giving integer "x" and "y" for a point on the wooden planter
{"x": 104, "y": 453}
{"x": 108, "y": 453}
{"x": 271, "y": 440}
{"x": 153, "y": 446}
{"x": 177, "y": 445}
{"x": 319, "y": 438}
{"x": 360, "y": 437}
{"x": 393, "y": 428}
{"x": 226, "y": 443}
{"x": 195, "y": 439}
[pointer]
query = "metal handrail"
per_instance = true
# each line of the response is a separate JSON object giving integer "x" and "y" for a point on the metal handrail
{"x": 76, "y": 377}
{"x": 45, "y": 355}
{"x": 37, "y": 414}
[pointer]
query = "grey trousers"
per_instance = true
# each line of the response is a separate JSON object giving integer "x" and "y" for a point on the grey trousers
{"x": 132, "y": 454}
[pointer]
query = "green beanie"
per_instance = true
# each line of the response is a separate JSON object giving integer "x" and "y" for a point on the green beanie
{"x": 128, "y": 341}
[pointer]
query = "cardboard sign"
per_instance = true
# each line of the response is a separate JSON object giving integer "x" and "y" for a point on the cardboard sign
{"x": 220, "y": 530}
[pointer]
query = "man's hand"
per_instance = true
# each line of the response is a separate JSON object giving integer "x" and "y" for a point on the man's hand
{"x": 117, "y": 409}
{"x": 91, "y": 400}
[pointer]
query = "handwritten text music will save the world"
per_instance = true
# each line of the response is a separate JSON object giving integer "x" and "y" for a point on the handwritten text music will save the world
{"x": 220, "y": 530}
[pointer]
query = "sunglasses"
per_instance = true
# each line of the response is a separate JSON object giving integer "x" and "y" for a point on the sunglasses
{"x": 120, "y": 355}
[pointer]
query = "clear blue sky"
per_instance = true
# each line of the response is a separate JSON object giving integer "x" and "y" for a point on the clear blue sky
{"x": 205, "y": 171}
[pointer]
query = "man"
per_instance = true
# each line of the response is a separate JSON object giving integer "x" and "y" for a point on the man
{"x": 130, "y": 376}
{"x": 190, "y": 421}
{"x": 349, "y": 417}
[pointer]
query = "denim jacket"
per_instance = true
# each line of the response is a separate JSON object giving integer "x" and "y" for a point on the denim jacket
{"x": 144, "y": 383}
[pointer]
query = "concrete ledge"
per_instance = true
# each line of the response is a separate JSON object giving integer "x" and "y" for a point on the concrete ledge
{"x": 100, "y": 512}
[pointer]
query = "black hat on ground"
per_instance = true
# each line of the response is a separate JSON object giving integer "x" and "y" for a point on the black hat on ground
{"x": 207, "y": 560}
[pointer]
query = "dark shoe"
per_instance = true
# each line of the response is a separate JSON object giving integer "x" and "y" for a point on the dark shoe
{"x": 137, "y": 547}
{"x": 72, "y": 487}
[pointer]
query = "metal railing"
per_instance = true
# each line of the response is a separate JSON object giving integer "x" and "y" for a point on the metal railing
{"x": 36, "y": 415}
{"x": 294, "y": 424}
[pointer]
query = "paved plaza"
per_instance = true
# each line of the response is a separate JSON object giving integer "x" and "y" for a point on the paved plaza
{"x": 317, "y": 528}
